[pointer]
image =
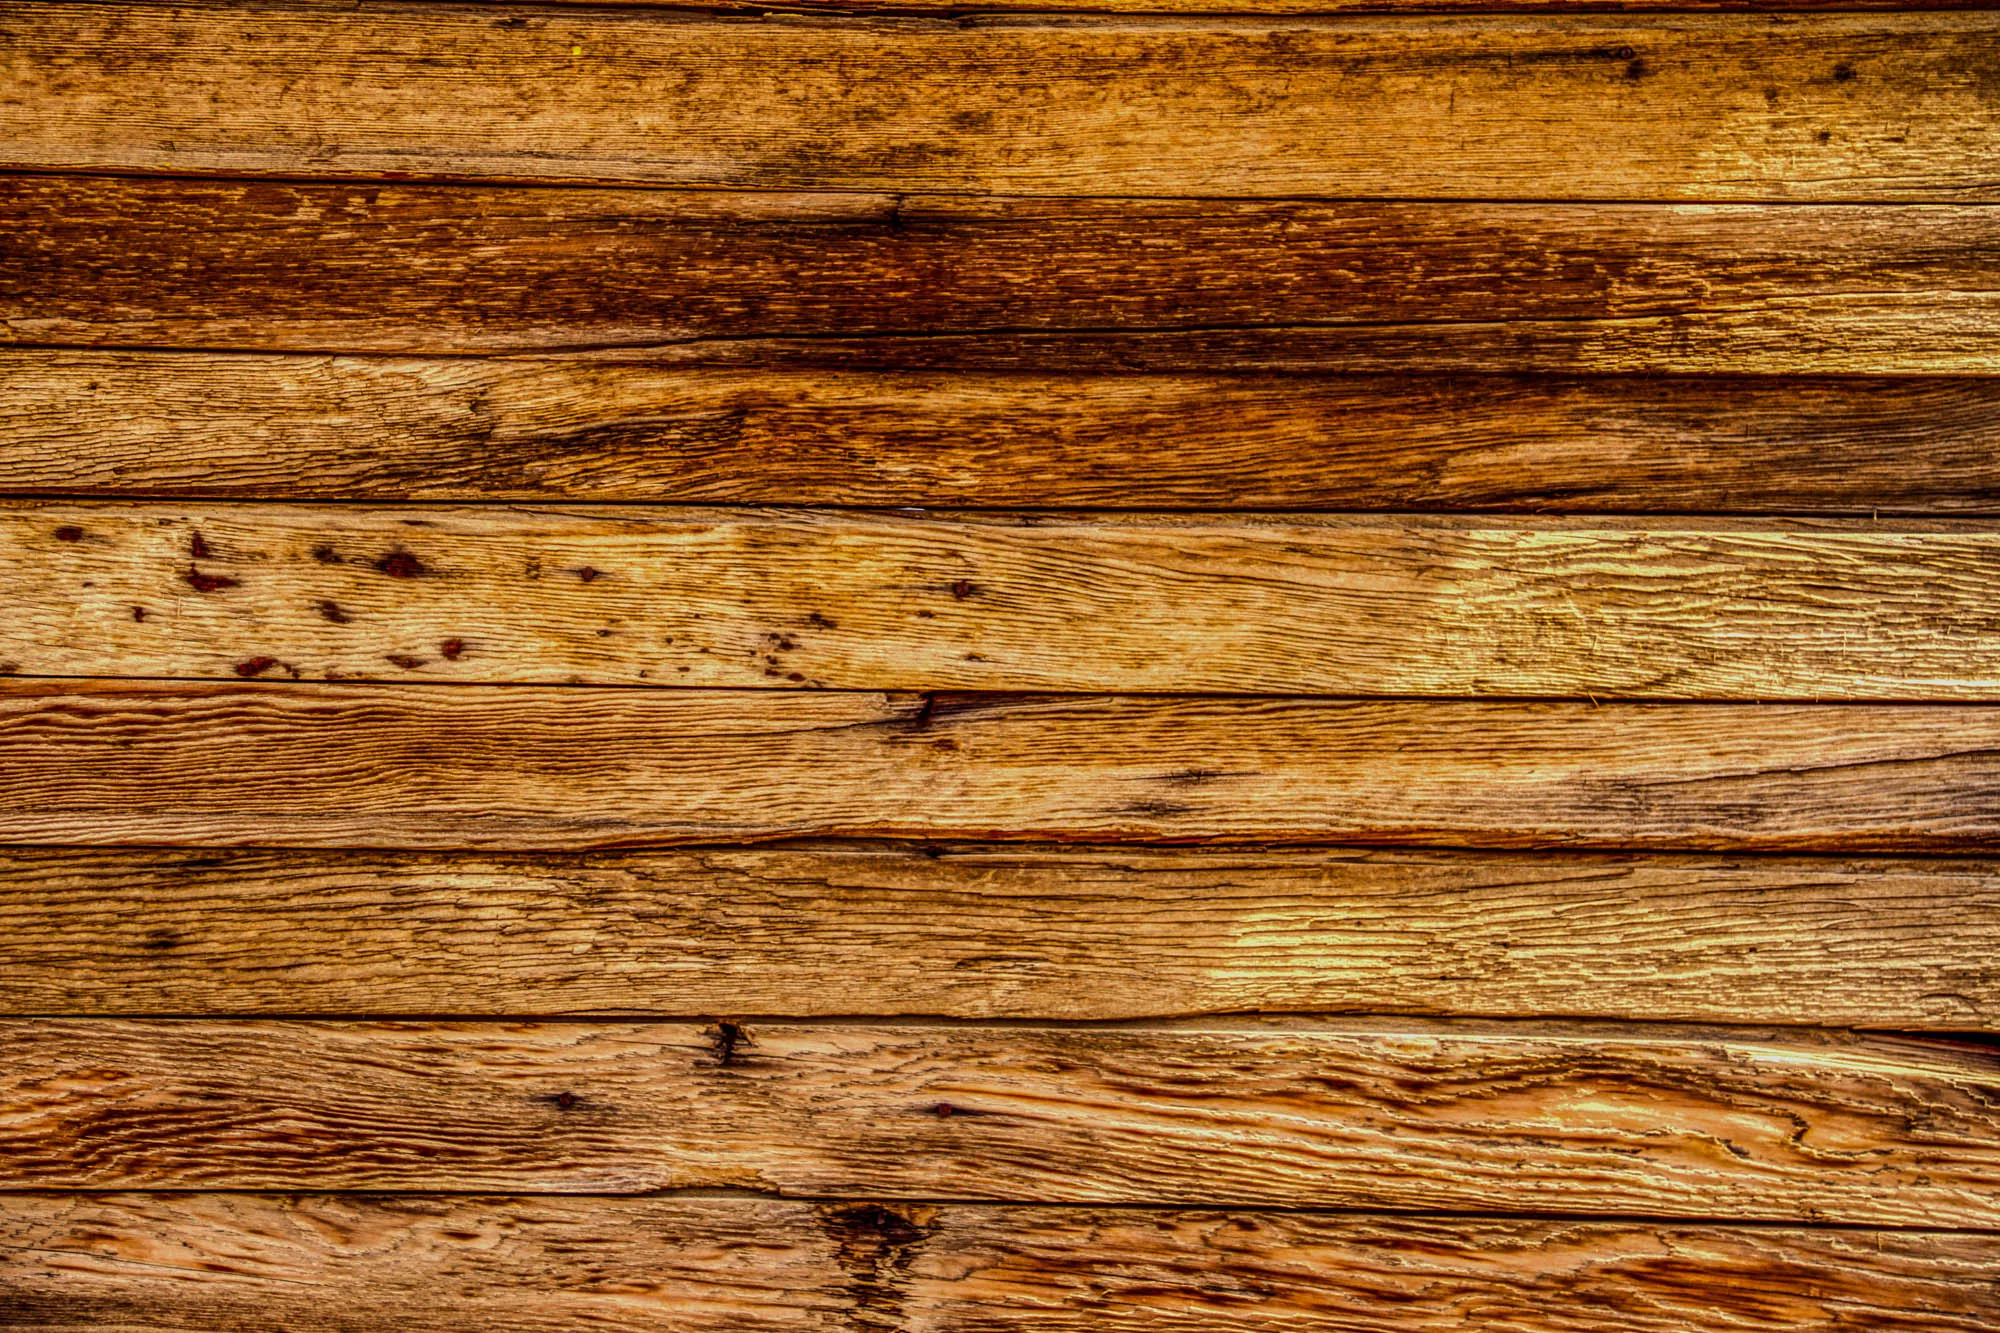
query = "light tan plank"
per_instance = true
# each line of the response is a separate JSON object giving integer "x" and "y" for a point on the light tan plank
{"x": 1666, "y": 609}
{"x": 1701, "y": 1123}
{"x": 255, "y": 1264}
{"x": 1331, "y": 286}
{"x": 526, "y": 767}
{"x": 1002, "y": 932}
{"x": 140, "y": 424}
{"x": 1834, "y": 106}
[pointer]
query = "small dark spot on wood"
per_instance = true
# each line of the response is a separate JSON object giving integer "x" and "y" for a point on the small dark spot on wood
{"x": 511, "y": 23}
{"x": 201, "y": 582}
{"x": 945, "y": 1110}
{"x": 1843, "y": 72}
{"x": 781, "y": 643}
{"x": 198, "y": 548}
{"x": 404, "y": 660}
{"x": 795, "y": 676}
{"x": 821, "y": 622}
{"x": 138, "y": 613}
{"x": 605, "y": 633}
{"x": 401, "y": 565}
{"x": 326, "y": 555}
{"x": 1190, "y": 777}
{"x": 1635, "y": 70}
{"x": 1826, "y": 136}
{"x": 162, "y": 939}
{"x": 1156, "y": 809}
{"x": 1624, "y": 53}
{"x": 728, "y": 1041}
{"x": 963, "y": 589}
{"x": 69, "y": 532}
{"x": 925, "y": 615}
{"x": 565, "y": 1101}
{"x": 331, "y": 611}
{"x": 255, "y": 666}
{"x": 589, "y": 575}
{"x": 453, "y": 649}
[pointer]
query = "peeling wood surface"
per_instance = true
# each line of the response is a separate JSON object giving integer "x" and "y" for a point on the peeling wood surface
{"x": 1835, "y": 106}
{"x": 1249, "y": 604}
{"x": 146, "y": 424}
{"x": 306, "y": 765}
{"x": 1002, "y": 932}
{"x": 258, "y": 1264}
{"x": 1703, "y": 1124}
{"x": 1348, "y": 286}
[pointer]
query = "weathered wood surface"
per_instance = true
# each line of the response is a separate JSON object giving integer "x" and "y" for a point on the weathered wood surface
{"x": 306, "y": 765}
{"x": 1342, "y": 286}
{"x": 1699, "y": 1123}
{"x": 1665, "y": 609}
{"x": 258, "y": 1264}
{"x": 123, "y": 423}
{"x": 1834, "y": 106}
{"x": 1002, "y": 932}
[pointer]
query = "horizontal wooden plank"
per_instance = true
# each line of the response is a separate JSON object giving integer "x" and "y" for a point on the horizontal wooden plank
{"x": 304, "y": 765}
{"x": 123, "y": 423}
{"x": 1667, "y": 609}
{"x": 1354, "y": 286}
{"x": 1002, "y": 932}
{"x": 257, "y": 1264}
{"x": 1831, "y": 106}
{"x": 1701, "y": 1123}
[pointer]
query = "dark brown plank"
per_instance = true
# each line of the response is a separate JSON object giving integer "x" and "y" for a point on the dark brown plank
{"x": 1653, "y": 1121}
{"x": 1002, "y": 932}
{"x": 1253, "y": 604}
{"x": 550, "y": 767}
{"x": 1831, "y": 106}
{"x": 256, "y": 1264}
{"x": 122, "y": 423}
{"x": 1356, "y": 286}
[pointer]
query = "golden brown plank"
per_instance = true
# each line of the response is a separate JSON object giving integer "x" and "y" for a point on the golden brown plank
{"x": 303, "y": 765}
{"x": 1353, "y": 286}
{"x": 1834, "y": 106}
{"x": 256, "y": 1264}
{"x": 1002, "y": 932}
{"x": 1668, "y": 609}
{"x": 160, "y": 424}
{"x": 1700, "y": 1123}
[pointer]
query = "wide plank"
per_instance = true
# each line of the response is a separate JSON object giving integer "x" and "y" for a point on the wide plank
{"x": 1405, "y": 605}
{"x": 1716, "y": 106}
{"x": 415, "y": 269}
{"x": 1402, "y": 1114}
{"x": 149, "y": 424}
{"x": 968, "y": 931}
{"x": 258, "y": 1264}
{"x": 526, "y": 767}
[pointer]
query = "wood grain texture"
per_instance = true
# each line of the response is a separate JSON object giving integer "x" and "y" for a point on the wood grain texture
{"x": 1002, "y": 932}
{"x": 1836, "y": 106}
{"x": 1398, "y": 1114}
{"x": 123, "y": 423}
{"x": 1342, "y": 286}
{"x": 1362, "y": 606}
{"x": 257, "y": 1264}
{"x": 303, "y": 765}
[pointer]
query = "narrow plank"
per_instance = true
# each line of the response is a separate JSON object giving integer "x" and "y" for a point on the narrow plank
{"x": 415, "y": 269}
{"x": 1002, "y": 932}
{"x": 256, "y": 1264}
{"x": 1403, "y": 1114}
{"x": 1681, "y": 609}
{"x": 1828, "y": 106}
{"x": 526, "y": 767}
{"x": 142, "y": 424}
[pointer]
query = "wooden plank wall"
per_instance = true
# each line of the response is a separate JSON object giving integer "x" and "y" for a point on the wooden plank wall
{"x": 1129, "y": 665}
